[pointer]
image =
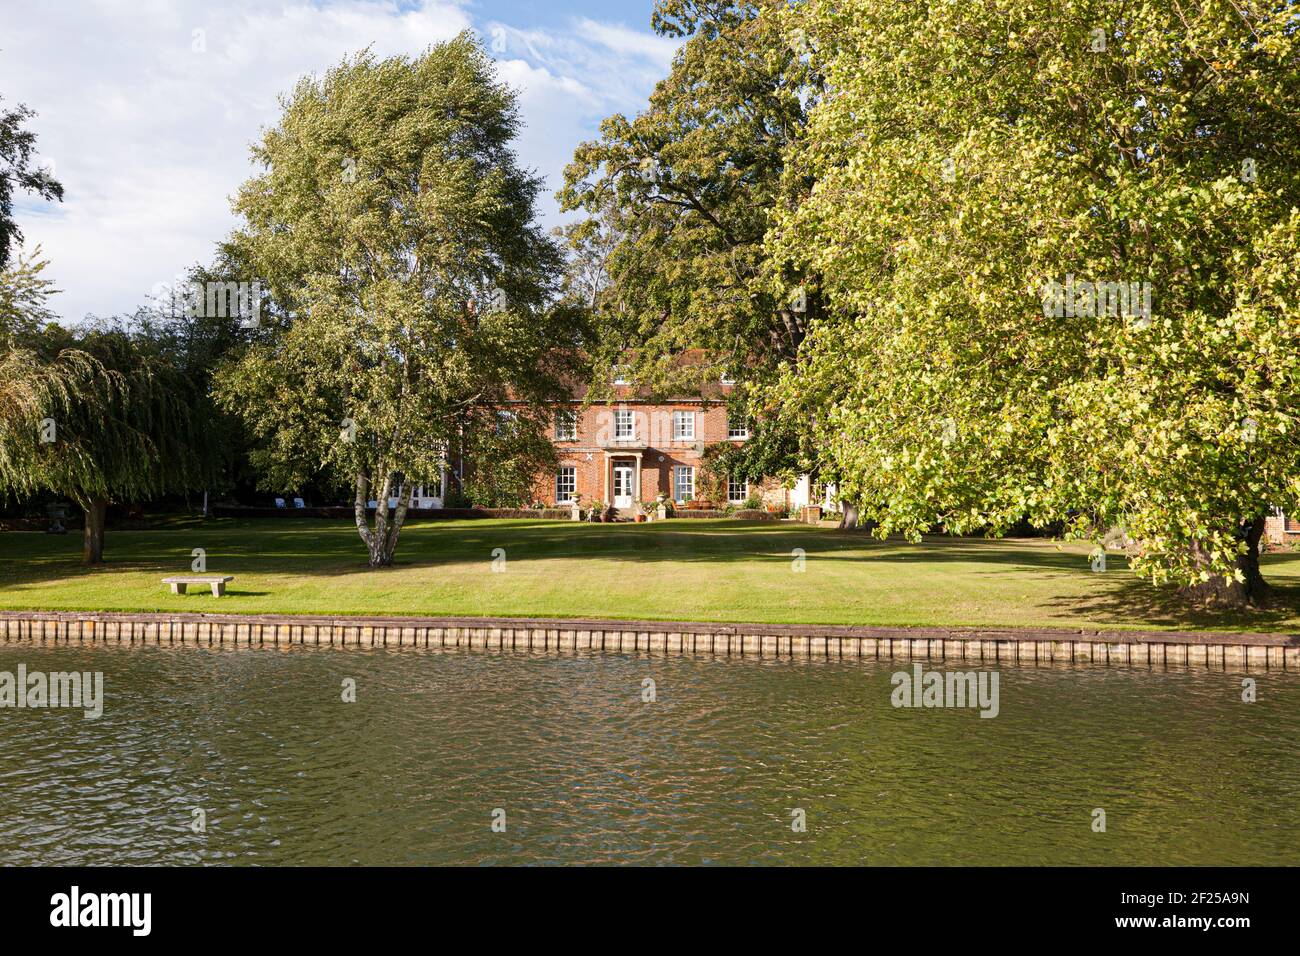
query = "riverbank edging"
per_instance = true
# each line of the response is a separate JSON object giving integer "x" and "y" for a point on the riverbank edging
{"x": 1000, "y": 645}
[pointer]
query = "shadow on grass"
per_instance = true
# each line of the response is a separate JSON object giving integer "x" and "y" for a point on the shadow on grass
{"x": 230, "y": 592}
{"x": 1135, "y": 601}
{"x": 333, "y": 547}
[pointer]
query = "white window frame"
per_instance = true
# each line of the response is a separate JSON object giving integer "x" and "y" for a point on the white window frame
{"x": 622, "y": 376}
{"x": 622, "y": 415}
{"x": 681, "y": 433}
{"x": 732, "y": 498}
{"x": 566, "y": 425}
{"x": 727, "y": 379}
{"x": 564, "y": 495}
{"x": 678, "y": 472}
{"x": 737, "y": 432}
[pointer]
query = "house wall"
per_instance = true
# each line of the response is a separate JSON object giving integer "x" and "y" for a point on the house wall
{"x": 1281, "y": 530}
{"x": 654, "y": 440}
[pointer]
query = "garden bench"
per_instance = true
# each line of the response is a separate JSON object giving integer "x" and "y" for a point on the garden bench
{"x": 217, "y": 581}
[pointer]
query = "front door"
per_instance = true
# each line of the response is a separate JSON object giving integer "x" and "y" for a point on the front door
{"x": 622, "y": 486}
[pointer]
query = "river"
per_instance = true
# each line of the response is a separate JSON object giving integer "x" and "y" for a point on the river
{"x": 569, "y": 761}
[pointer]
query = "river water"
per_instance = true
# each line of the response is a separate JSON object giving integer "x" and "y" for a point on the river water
{"x": 562, "y": 752}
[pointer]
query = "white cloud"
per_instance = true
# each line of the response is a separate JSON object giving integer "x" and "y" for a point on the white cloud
{"x": 624, "y": 42}
{"x": 619, "y": 64}
{"x": 148, "y": 122}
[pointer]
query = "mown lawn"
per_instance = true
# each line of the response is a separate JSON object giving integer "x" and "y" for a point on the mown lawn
{"x": 690, "y": 570}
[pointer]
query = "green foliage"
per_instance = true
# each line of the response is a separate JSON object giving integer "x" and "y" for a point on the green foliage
{"x": 971, "y": 154}
{"x": 775, "y": 448}
{"x": 23, "y": 296}
{"x": 456, "y": 498}
{"x": 96, "y": 415}
{"x": 680, "y": 196}
{"x": 715, "y": 468}
{"x": 504, "y": 454}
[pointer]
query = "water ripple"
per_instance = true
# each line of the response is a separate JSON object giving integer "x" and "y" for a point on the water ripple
{"x": 586, "y": 772}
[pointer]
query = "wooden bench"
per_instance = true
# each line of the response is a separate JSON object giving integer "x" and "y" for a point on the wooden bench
{"x": 217, "y": 581}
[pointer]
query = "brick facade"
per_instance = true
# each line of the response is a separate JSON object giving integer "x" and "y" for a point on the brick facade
{"x": 1282, "y": 530}
{"x": 661, "y": 437}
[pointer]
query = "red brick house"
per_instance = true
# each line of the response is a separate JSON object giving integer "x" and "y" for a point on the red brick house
{"x": 631, "y": 450}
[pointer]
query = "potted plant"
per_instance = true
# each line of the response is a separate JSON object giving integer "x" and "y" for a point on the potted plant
{"x": 597, "y": 512}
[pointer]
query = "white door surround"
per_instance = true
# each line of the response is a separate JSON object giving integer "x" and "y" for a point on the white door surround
{"x": 622, "y": 479}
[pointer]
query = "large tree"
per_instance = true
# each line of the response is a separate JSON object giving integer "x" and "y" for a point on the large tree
{"x": 679, "y": 199}
{"x": 974, "y": 167}
{"x": 409, "y": 287}
{"x": 19, "y": 173}
{"x": 683, "y": 192}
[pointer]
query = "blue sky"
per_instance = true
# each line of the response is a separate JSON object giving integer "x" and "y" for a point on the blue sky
{"x": 146, "y": 108}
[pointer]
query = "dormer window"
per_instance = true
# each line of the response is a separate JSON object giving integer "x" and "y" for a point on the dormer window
{"x": 728, "y": 379}
{"x": 622, "y": 375}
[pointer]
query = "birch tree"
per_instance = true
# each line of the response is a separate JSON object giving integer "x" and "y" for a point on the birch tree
{"x": 408, "y": 284}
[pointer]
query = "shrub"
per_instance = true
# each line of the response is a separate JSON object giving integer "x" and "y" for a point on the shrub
{"x": 455, "y": 498}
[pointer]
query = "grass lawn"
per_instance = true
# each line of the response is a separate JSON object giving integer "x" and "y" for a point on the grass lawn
{"x": 687, "y": 569}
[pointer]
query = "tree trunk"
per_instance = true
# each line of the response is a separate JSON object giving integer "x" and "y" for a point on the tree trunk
{"x": 359, "y": 509}
{"x": 1249, "y": 592}
{"x": 850, "y": 519}
{"x": 92, "y": 550}
{"x": 381, "y": 540}
{"x": 379, "y": 536}
{"x": 399, "y": 519}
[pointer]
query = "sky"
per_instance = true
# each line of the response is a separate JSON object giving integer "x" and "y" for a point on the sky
{"x": 146, "y": 109}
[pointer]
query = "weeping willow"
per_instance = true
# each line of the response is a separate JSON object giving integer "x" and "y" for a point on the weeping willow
{"x": 103, "y": 422}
